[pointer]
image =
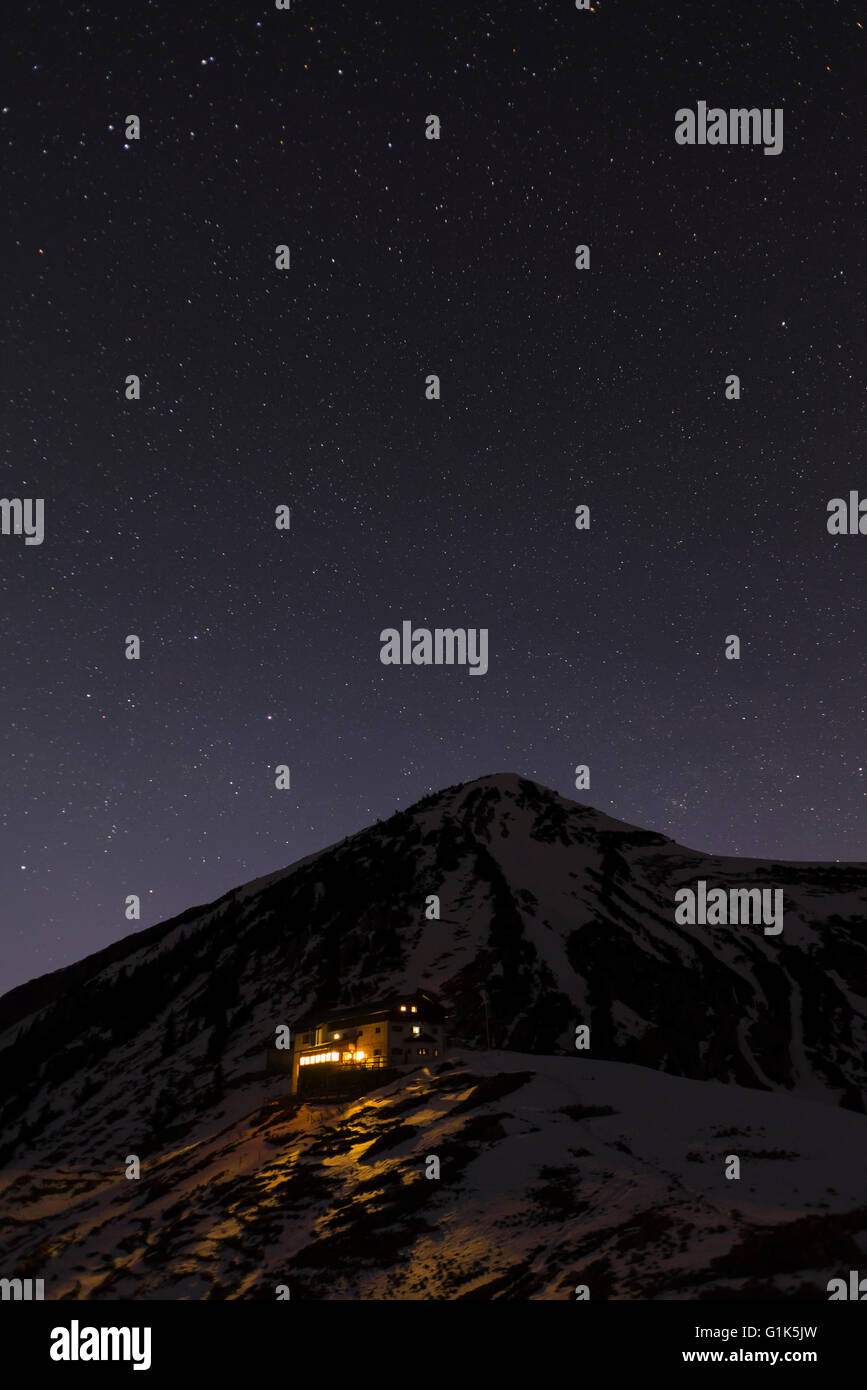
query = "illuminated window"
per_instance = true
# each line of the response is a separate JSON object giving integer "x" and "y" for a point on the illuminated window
{"x": 416, "y": 1028}
{"x": 414, "y": 1009}
{"x": 403, "y": 1008}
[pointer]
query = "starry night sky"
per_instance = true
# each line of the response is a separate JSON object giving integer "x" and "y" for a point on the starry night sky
{"x": 306, "y": 388}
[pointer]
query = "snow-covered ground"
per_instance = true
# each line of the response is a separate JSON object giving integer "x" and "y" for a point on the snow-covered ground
{"x": 553, "y": 1172}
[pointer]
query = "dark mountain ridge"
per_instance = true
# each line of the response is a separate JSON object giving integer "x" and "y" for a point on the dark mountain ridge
{"x": 563, "y": 915}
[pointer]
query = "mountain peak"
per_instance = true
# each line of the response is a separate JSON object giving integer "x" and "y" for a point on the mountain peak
{"x": 563, "y": 915}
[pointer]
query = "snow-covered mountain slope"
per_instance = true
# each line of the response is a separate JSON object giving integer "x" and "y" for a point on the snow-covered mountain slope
{"x": 554, "y": 1172}
{"x": 562, "y": 914}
